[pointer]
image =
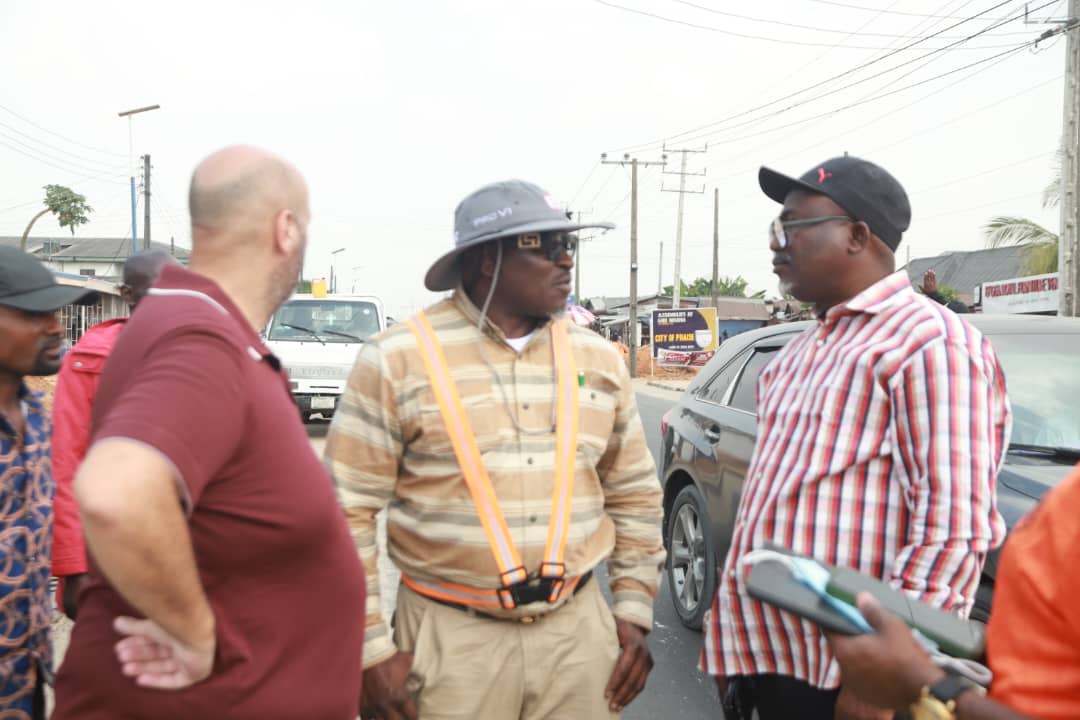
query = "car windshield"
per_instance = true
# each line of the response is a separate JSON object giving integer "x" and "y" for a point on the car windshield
{"x": 1044, "y": 387}
{"x": 328, "y": 321}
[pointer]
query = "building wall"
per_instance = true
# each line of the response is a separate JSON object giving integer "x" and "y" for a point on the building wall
{"x": 76, "y": 319}
{"x": 99, "y": 269}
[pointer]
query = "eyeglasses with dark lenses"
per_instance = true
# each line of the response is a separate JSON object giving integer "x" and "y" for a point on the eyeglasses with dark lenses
{"x": 778, "y": 228}
{"x": 549, "y": 244}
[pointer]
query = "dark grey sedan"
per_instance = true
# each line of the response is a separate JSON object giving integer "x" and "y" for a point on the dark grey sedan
{"x": 709, "y": 435}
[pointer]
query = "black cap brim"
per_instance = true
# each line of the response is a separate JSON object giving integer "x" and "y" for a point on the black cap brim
{"x": 777, "y": 185}
{"x": 50, "y": 299}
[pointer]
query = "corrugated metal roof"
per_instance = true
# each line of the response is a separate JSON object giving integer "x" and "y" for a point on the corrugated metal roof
{"x": 965, "y": 270}
{"x": 96, "y": 249}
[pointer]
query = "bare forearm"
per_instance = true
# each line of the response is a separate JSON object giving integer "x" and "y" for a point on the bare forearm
{"x": 136, "y": 530}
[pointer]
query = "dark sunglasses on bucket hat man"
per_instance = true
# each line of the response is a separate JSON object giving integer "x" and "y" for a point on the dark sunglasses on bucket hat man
{"x": 505, "y": 209}
{"x": 26, "y": 284}
{"x": 864, "y": 190}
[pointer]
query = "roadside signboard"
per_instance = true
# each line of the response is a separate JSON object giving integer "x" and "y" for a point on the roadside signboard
{"x": 1037, "y": 293}
{"x": 684, "y": 336}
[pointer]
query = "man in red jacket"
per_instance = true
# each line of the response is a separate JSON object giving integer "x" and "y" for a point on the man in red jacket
{"x": 76, "y": 386}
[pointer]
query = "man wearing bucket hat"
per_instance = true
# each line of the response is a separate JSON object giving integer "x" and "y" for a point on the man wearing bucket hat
{"x": 30, "y": 341}
{"x": 881, "y": 430}
{"x": 506, "y": 443}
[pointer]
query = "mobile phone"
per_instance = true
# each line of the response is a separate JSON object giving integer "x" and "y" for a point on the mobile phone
{"x": 954, "y": 635}
{"x": 772, "y": 582}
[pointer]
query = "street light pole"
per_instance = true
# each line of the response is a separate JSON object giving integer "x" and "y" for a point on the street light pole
{"x": 333, "y": 272}
{"x": 131, "y": 165}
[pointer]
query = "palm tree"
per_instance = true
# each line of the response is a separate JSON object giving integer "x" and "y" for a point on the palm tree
{"x": 1041, "y": 253}
{"x": 69, "y": 207}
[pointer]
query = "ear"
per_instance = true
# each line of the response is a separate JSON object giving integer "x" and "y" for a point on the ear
{"x": 487, "y": 261}
{"x": 286, "y": 232}
{"x": 859, "y": 238}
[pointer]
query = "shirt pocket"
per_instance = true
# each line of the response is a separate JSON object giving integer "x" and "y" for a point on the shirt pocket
{"x": 485, "y": 413}
{"x": 88, "y": 364}
{"x": 598, "y": 408}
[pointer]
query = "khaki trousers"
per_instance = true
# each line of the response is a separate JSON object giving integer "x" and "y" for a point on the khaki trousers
{"x": 469, "y": 668}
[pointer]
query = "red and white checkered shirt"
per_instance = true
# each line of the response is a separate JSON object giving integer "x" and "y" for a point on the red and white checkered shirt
{"x": 880, "y": 435}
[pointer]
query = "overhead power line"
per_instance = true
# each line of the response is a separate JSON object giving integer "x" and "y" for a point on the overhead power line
{"x": 78, "y": 159}
{"x": 862, "y": 66}
{"x": 745, "y": 36}
{"x": 28, "y": 121}
{"x": 888, "y": 12}
{"x": 833, "y": 31}
{"x": 66, "y": 167}
{"x": 880, "y": 96}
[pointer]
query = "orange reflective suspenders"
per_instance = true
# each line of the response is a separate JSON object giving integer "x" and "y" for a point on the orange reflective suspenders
{"x": 517, "y": 586}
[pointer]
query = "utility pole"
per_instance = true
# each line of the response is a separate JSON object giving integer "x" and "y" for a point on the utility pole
{"x": 716, "y": 248}
{"x": 131, "y": 164}
{"x": 577, "y": 258}
{"x": 1069, "y": 239}
{"x": 634, "y": 325}
{"x": 660, "y": 272}
{"x": 676, "y": 291}
{"x": 146, "y": 202}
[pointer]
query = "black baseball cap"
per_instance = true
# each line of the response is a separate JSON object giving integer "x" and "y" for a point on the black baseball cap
{"x": 866, "y": 191}
{"x": 26, "y": 284}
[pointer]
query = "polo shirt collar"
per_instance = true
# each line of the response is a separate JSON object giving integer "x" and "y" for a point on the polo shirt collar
{"x": 886, "y": 293}
{"x": 179, "y": 280}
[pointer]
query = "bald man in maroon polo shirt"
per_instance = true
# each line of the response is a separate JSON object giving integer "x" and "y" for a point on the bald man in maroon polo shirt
{"x": 224, "y": 582}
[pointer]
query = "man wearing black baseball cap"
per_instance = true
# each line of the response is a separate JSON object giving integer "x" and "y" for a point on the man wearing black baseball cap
{"x": 881, "y": 430}
{"x": 472, "y": 422}
{"x": 30, "y": 337}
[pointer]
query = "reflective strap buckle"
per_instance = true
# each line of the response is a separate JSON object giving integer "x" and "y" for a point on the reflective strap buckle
{"x": 528, "y": 591}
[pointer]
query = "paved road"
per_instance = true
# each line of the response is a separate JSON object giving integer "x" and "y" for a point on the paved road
{"x": 675, "y": 687}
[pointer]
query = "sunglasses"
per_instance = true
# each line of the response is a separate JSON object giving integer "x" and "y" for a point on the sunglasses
{"x": 549, "y": 244}
{"x": 778, "y": 228}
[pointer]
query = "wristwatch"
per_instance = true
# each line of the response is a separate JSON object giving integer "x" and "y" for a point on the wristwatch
{"x": 938, "y": 701}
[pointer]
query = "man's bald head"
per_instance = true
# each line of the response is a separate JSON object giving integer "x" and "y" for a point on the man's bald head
{"x": 140, "y": 272}
{"x": 242, "y": 188}
{"x": 249, "y": 224}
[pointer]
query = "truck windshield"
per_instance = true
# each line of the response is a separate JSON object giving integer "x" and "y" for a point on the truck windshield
{"x": 333, "y": 321}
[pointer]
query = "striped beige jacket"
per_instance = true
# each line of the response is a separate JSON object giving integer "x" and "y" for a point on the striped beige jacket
{"x": 388, "y": 447}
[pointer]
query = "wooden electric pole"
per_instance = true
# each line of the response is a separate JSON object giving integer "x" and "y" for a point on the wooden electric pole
{"x": 1069, "y": 238}
{"x": 634, "y": 326}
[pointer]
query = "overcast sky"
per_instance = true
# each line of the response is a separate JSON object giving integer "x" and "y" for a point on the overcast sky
{"x": 396, "y": 110}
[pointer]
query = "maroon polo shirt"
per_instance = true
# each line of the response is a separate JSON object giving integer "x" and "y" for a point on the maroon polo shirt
{"x": 190, "y": 378}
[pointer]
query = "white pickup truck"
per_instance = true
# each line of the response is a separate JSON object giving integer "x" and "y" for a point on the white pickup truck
{"x": 317, "y": 339}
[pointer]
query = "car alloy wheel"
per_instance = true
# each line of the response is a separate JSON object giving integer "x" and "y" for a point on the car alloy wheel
{"x": 691, "y": 561}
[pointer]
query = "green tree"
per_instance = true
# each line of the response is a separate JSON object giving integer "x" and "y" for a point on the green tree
{"x": 68, "y": 206}
{"x": 1041, "y": 255}
{"x": 726, "y": 287}
{"x": 303, "y": 286}
{"x": 949, "y": 293}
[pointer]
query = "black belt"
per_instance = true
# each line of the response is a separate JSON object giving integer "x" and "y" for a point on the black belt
{"x": 524, "y": 619}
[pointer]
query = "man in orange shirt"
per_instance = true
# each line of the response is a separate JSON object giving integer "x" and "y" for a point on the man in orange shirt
{"x": 1033, "y": 639}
